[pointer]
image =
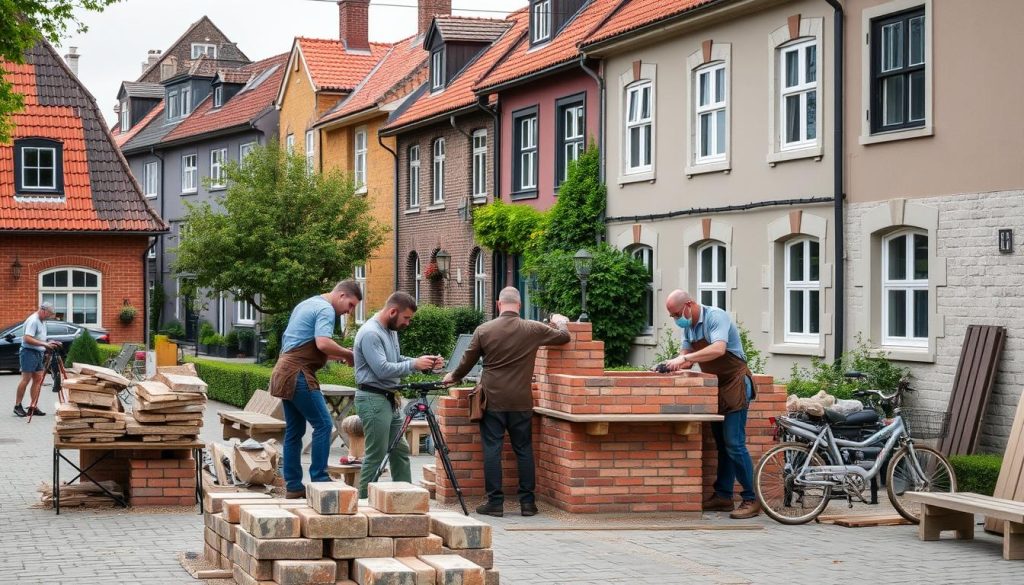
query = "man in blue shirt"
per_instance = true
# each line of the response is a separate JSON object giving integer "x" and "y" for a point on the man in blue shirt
{"x": 712, "y": 340}
{"x": 306, "y": 346}
{"x": 31, "y": 358}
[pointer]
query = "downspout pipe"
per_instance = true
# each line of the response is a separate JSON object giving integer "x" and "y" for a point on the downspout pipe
{"x": 160, "y": 256}
{"x": 600, "y": 108}
{"x": 839, "y": 286}
{"x": 380, "y": 140}
{"x": 496, "y": 158}
{"x": 145, "y": 291}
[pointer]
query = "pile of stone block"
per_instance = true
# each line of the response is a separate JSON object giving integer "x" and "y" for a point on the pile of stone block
{"x": 332, "y": 538}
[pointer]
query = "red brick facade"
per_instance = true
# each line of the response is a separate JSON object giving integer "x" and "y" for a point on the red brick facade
{"x": 632, "y": 467}
{"x": 118, "y": 259}
{"x": 153, "y": 477}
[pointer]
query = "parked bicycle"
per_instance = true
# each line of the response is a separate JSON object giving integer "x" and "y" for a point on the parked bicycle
{"x": 794, "y": 480}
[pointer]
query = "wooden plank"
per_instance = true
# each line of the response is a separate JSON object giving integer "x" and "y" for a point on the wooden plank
{"x": 990, "y": 381}
{"x": 1010, "y": 483}
{"x": 864, "y": 520}
{"x": 976, "y": 392}
{"x": 972, "y": 388}
{"x": 603, "y": 527}
{"x": 218, "y": 463}
{"x": 104, "y": 374}
{"x": 627, "y": 418}
{"x": 973, "y": 503}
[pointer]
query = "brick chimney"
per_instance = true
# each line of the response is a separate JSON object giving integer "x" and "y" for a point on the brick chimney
{"x": 152, "y": 57}
{"x": 354, "y": 24}
{"x": 428, "y": 9}
{"x": 72, "y": 59}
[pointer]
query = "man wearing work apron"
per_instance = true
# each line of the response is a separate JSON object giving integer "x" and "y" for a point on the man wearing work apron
{"x": 711, "y": 339}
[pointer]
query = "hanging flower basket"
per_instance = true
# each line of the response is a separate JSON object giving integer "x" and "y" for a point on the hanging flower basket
{"x": 432, "y": 273}
{"x": 127, "y": 314}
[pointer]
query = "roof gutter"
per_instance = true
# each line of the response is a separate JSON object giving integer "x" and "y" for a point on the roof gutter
{"x": 380, "y": 140}
{"x": 357, "y": 116}
{"x": 839, "y": 280}
{"x": 634, "y": 35}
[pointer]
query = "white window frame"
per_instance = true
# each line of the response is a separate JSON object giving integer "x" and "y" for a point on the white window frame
{"x": 718, "y": 103}
{"x": 218, "y": 179}
{"x": 245, "y": 312}
{"x": 310, "y": 151}
{"x": 172, "y": 105}
{"x": 186, "y": 100}
{"x": 527, "y": 148}
{"x": 480, "y": 281}
{"x": 645, "y": 254}
{"x": 573, "y": 139}
{"x": 208, "y": 49}
{"x": 636, "y": 120}
{"x": 437, "y": 78}
{"x": 38, "y": 167}
{"x": 715, "y": 286}
{"x": 151, "y": 179}
{"x": 189, "y": 173}
{"x": 805, "y": 286}
{"x": 479, "y": 178}
{"x": 152, "y": 256}
{"x": 414, "y": 176}
{"x": 909, "y": 285}
{"x": 802, "y": 90}
{"x": 69, "y": 292}
{"x": 438, "y": 176}
{"x": 360, "y": 148}
{"x": 417, "y": 276}
{"x": 221, "y": 320}
{"x": 245, "y": 149}
{"x": 218, "y": 96}
{"x": 289, "y": 144}
{"x": 359, "y": 274}
{"x": 541, "y": 21}
{"x": 125, "y": 115}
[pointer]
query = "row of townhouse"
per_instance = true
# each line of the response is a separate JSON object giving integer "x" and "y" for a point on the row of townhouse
{"x": 830, "y": 172}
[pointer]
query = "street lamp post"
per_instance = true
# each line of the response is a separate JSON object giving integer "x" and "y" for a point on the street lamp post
{"x": 444, "y": 262}
{"x": 583, "y": 262}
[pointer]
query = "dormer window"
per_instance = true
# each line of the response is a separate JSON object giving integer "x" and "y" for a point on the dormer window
{"x": 207, "y": 49}
{"x": 540, "y": 21}
{"x": 126, "y": 117}
{"x": 172, "y": 105}
{"x": 38, "y": 167}
{"x": 186, "y": 100}
{"x": 218, "y": 96}
{"x": 437, "y": 77}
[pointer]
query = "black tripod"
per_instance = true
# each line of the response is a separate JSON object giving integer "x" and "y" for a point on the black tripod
{"x": 414, "y": 408}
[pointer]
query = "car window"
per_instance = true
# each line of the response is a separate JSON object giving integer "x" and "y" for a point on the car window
{"x": 18, "y": 331}
{"x": 54, "y": 329}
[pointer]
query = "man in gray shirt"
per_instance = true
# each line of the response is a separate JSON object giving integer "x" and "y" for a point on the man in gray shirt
{"x": 380, "y": 367}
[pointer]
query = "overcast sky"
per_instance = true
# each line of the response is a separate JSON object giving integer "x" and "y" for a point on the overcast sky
{"x": 120, "y": 37}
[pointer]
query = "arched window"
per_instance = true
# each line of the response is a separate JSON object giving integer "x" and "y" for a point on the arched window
{"x": 479, "y": 281}
{"x": 905, "y": 289}
{"x": 416, "y": 274}
{"x": 802, "y": 291}
{"x": 76, "y": 294}
{"x": 645, "y": 254}
{"x": 712, "y": 271}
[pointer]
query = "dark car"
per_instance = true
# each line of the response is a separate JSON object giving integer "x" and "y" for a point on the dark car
{"x": 62, "y": 331}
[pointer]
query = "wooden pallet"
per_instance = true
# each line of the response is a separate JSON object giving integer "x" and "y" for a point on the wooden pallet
{"x": 1010, "y": 484}
{"x": 972, "y": 387}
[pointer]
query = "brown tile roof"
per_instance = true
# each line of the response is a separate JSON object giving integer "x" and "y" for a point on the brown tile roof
{"x": 264, "y": 80}
{"x": 524, "y": 60}
{"x": 237, "y": 76}
{"x": 459, "y": 93}
{"x": 333, "y": 68}
{"x": 100, "y": 194}
{"x": 633, "y": 14}
{"x": 464, "y": 28}
{"x": 393, "y": 78}
{"x": 233, "y": 49}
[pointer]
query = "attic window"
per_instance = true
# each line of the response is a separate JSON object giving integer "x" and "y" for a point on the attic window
{"x": 437, "y": 77}
{"x": 540, "y": 21}
{"x": 125, "y": 115}
{"x": 207, "y": 49}
{"x": 38, "y": 167}
{"x": 218, "y": 96}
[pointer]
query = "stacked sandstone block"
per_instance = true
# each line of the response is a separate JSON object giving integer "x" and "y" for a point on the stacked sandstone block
{"x": 334, "y": 538}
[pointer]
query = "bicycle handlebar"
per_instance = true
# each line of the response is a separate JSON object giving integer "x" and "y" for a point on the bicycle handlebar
{"x": 422, "y": 386}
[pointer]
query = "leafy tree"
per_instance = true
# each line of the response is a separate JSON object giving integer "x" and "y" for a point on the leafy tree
{"x": 576, "y": 220}
{"x": 431, "y": 332}
{"x": 23, "y": 23}
{"x": 83, "y": 350}
{"x": 509, "y": 228}
{"x": 278, "y": 234}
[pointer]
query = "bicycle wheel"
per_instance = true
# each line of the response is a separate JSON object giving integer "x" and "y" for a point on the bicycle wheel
{"x": 780, "y": 497}
{"x": 901, "y": 477}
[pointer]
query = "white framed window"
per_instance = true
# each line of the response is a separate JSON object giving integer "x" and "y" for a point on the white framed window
{"x": 480, "y": 164}
{"x": 905, "y": 289}
{"x": 172, "y": 105}
{"x": 437, "y": 77}
{"x": 541, "y": 21}
{"x": 360, "y": 160}
{"x": 188, "y": 174}
{"x": 151, "y": 179}
{"x": 289, "y": 144}
{"x": 38, "y": 168}
{"x": 310, "y": 151}
{"x": 712, "y": 271}
{"x": 639, "y": 120}
{"x": 207, "y": 49}
{"x": 186, "y": 100}
{"x": 710, "y": 115}
{"x": 218, "y": 179}
{"x": 645, "y": 254}
{"x": 417, "y": 276}
{"x": 359, "y": 273}
{"x": 802, "y": 286}
{"x": 244, "y": 150}
{"x": 218, "y": 96}
{"x": 438, "y": 194}
{"x": 221, "y": 318}
{"x": 479, "y": 282}
{"x": 245, "y": 312}
{"x": 414, "y": 176}
{"x": 571, "y": 137}
{"x": 76, "y": 294}
{"x": 152, "y": 256}
{"x": 798, "y": 95}
{"x": 526, "y": 151}
{"x": 126, "y": 116}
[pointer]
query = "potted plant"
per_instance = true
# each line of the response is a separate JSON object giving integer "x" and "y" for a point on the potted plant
{"x": 127, "y": 313}
{"x": 433, "y": 273}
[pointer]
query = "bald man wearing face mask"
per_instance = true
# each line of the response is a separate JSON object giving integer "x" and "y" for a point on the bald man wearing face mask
{"x": 712, "y": 340}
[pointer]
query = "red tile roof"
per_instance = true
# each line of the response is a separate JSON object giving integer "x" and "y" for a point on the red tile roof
{"x": 332, "y": 67}
{"x": 120, "y": 138}
{"x": 524, "y": 60}
{"x": 385, "y": 83}
{"x": 459, "y": 93}
{"x": 100, "y": 194}
{"x": 633, "y": 14}
{"x": 243, "y": 107}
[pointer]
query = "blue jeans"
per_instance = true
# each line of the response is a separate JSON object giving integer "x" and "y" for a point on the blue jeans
{"x": 734, "y": 461}
{"x": 306, "y": 406}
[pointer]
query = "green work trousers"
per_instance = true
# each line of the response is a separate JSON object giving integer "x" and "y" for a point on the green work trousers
{"x": 381, "y": 425}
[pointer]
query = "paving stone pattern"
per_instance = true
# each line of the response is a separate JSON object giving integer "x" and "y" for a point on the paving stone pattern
{"x": 113, "y": 546}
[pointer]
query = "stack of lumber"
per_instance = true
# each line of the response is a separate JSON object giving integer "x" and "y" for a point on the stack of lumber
{"x": 92, "y": 413}
{"x": 168, "y": 408}
{"x": 79, "y": 494}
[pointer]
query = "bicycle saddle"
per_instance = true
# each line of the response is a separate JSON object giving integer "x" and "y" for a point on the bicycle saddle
{"x": 861, "y": 418}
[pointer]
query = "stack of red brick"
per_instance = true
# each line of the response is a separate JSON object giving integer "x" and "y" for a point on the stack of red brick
{"x": 333, "y": 538}
{"x": 156, "y": 481}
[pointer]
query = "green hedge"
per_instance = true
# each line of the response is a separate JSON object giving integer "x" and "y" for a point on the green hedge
{"x": 235, "y": 384}
{"x": 83, "y": 350}
{"x": 107, "y": 352}
{"x": 976, "y": 473}
{"x": 431, "y": 332}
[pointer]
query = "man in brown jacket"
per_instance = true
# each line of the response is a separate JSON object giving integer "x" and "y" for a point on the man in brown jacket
{"x": 509, "y": 346}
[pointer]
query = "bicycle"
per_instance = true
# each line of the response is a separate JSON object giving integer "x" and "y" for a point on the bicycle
{"x": 794, "y": 480}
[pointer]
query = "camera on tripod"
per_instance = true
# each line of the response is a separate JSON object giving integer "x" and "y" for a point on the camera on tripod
{"x": 661, "y": 368}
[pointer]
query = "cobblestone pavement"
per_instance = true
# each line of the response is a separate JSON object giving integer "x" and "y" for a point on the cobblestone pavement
{"x": 85, "y": 547}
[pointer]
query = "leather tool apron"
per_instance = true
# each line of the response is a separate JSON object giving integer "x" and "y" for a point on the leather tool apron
{"x": 305, "y": 359}
{"x": 731, "y": 372}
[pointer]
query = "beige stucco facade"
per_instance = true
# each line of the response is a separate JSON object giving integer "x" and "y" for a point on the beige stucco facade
{"x": 789, "y": 188}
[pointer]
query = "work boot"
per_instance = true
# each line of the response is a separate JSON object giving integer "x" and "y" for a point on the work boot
{"x": 289, "y": 495}
{"x": 35, "y": 411}
{"x": 529, "y": 509}
{"x": 717, "y": 503}
{"x": 19, "y": 410}
{"x": 491, "y": 509}
{"x": 747, "y": 509}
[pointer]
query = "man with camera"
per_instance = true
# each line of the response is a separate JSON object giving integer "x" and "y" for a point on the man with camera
{"x": 380, "y": 367}
{"x": 509, "y": 347}
{"x": 31, "y": 358}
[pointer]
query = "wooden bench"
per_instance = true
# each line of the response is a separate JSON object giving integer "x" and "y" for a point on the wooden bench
{"x": 597, "y": 424}
{"x": 262, "y": 419}
{"x": 941, "y": 512}
{"x": 347, "y": 473}
{"x": 417, "y": 430}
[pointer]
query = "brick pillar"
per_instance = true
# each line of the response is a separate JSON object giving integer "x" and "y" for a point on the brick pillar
{"x": 428, "y": 9}
{"x": 354, "y": 24}
{"x": 582, "y": 356}
{"x": 162, "y": 478}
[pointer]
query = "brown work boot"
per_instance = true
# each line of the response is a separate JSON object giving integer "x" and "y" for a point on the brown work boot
{"x": 717, "y": 503}
{"x": 295, "y": 495}
{"x": 747, "y": 509}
